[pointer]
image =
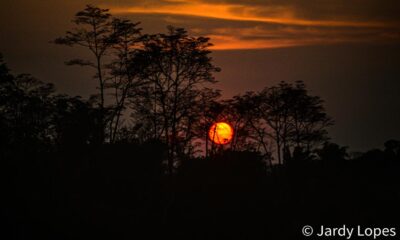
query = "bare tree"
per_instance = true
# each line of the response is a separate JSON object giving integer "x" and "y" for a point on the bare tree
{"x": 114, "y": 44}
{"x": 294, "y": 117}
{"x": 125, "y": 70}
{"x": 178, "y": 67}
{"x": 93, "y": 31}
{"x": 285, "y": 116}
{"x": 250, "y": 130}
{"x": 209, "y": 109}
{"x": 310, "y": 120}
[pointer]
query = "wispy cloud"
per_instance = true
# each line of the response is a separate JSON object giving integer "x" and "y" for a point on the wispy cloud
{"x": 287, "y": 36}
{"x": 270, "y": 23}
{"x": 237, "y": 12}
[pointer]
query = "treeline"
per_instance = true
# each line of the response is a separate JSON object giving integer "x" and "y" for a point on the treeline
{"x": 77, "y": 168}
{"x": 164, "y": 83}
{"x": 156, "y": 87}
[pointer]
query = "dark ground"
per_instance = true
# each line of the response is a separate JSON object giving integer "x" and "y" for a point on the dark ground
{"x": 120, "y": 192}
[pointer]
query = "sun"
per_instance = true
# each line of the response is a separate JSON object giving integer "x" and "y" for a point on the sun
{"x": 221, "y": 133}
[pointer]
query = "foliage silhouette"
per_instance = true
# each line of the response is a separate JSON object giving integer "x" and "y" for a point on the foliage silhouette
{"x": 73, "y": 168}
{"x": 103, "y": 36}
{"x": 178, "y": 68}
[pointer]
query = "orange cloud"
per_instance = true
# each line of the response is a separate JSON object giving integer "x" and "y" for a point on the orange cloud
{"x": 236, "y": 12}
{"x": 259, "y": 38}
{"x": 262, "y": 26}
{"x": 230, "y": 42}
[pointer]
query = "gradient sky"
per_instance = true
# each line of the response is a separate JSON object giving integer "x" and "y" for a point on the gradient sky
{"x": 346, "y": 51}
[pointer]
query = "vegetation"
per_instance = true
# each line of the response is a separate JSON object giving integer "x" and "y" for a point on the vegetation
{"x": 136, "y": 154}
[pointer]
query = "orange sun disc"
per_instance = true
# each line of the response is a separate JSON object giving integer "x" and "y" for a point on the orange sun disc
{"x": 221, "y": 133}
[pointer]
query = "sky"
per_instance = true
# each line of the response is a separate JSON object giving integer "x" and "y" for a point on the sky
{"x": 346, "y": 51}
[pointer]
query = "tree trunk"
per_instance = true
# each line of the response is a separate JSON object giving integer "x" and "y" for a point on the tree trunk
{"x": 102, "y": 113}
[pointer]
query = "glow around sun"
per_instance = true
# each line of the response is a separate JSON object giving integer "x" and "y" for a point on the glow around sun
{"x": 221, "y": 133}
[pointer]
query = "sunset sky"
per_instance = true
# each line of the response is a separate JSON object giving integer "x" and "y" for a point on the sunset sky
{"x": 346, "y": 51}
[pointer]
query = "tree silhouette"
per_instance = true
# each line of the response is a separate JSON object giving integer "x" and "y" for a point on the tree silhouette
{"x": 94, "y": 32}
{"x": 332, "y": 152}
{"x": 126, "y": 70}
{"x": 209, "y": 109}
{"x": 62, "y": 181}
{"x": 295, "y": 118}
{"x": 392, "y": 150}
{"x": 26, "y": 108}
{"x": 252, "y": 131}
{"x": 76, "y": 122}
{"x": 7, "y": 87}
{"x": 177, "y": 67}
{"x": 284, "y": 117}
{"x": 310, "y": 120}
